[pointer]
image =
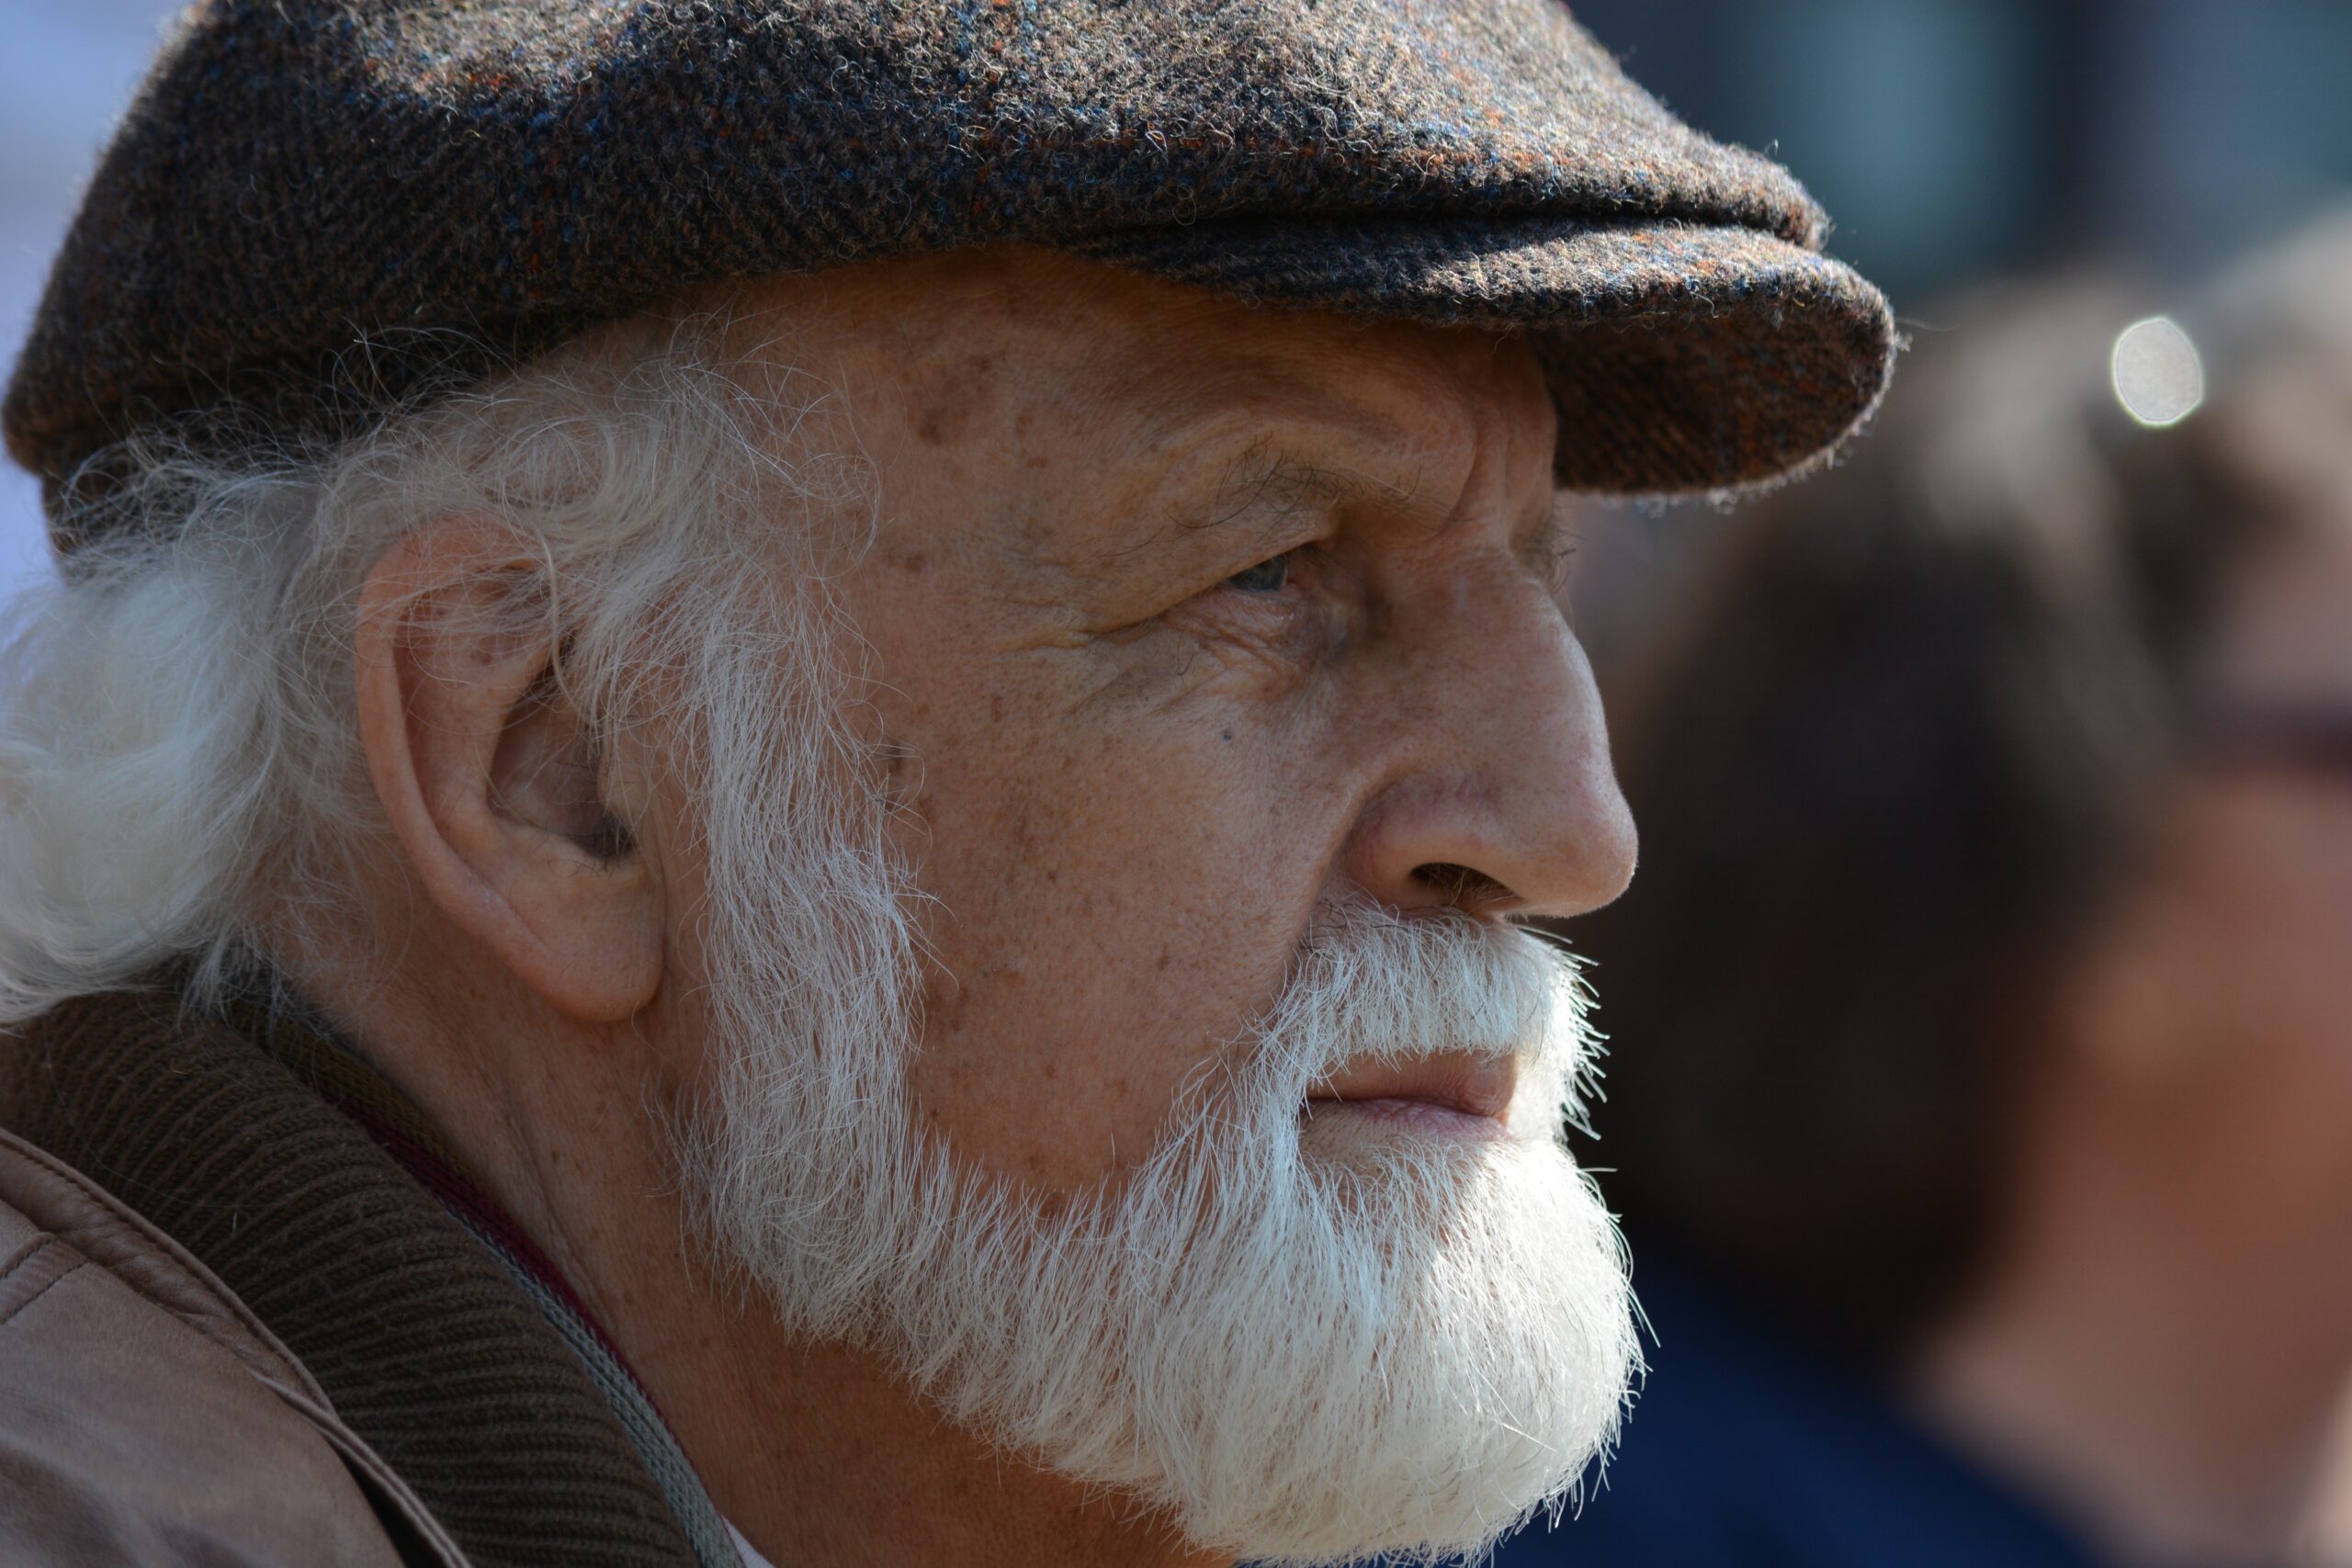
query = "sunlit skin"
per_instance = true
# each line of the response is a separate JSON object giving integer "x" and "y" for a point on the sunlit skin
{"x": 2168, "y": 1324}
{"x": 1179, "y": 617}
{"x": 1137, "y": 770}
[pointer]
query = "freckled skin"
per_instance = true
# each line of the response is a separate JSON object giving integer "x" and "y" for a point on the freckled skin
{"x": 1128, "y": 780}
{"x": 1136, "y": 781}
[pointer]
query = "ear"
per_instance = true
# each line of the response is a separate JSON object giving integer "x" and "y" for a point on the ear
{"x": 492, "y": 784}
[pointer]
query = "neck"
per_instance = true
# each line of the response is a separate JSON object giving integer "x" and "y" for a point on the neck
{"x": 2153, "y": 1362}
{"x": 819, "y": 1453}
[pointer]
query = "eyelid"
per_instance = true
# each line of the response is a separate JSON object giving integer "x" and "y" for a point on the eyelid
{"x": 1280, "y": 557}
{"x": 1546, "y": 548}
{"x": 1298, "y": 553}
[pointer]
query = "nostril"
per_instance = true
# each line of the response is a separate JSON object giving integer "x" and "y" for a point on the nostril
{"x": 1465, "y": 888}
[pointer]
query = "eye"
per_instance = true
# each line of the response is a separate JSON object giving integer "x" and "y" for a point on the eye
{"x": 1267, "y": 577}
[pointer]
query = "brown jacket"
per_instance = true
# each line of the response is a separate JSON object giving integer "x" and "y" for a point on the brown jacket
{"x": 235, "y": 1332}
{"x": 146, "y": 1417}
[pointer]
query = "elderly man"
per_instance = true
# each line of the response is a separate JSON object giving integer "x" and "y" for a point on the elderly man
{"x": 776, "y": 806}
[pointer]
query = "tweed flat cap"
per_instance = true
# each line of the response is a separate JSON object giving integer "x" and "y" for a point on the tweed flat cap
{"x": 314, "y": 206}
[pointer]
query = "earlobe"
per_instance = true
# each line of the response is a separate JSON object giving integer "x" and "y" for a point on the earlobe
{"x": 490, "y": 779}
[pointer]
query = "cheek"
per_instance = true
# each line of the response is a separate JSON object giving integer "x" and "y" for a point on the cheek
{"x": 1115, "y": 900}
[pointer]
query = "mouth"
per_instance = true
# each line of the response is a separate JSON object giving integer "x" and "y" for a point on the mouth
{"x": 1454, "y": 1095}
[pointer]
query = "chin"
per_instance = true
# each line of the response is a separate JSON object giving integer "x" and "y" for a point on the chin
{"x": 1354, "y": 1339}
{"x": 1450, "y": 1352}
{"x": 1299, "y": 1338}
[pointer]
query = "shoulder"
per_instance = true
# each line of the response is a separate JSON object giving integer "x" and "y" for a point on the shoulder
{"x": 1698, "y": 1479}
{"x": 1746, "y": 1451}
{"x": 147, "y": 1418}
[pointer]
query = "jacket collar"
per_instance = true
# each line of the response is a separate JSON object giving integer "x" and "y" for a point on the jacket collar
{"x": 244, "y": 1139}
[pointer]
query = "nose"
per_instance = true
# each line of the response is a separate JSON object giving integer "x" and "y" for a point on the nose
{"x": 1501, "y": 796}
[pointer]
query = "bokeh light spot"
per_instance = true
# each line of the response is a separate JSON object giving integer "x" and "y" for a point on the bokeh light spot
{"x": 2159, "y": 375}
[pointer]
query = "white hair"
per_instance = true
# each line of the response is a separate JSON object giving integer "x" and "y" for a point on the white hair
{"x": 180, "y": 779}
{"x": 1294, "y": 1350}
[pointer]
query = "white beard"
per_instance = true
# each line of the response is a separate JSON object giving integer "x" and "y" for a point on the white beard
{"x": 1301, "y": 1350}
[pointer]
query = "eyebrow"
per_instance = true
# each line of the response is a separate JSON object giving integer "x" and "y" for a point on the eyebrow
{"x": 1269, "y": 480}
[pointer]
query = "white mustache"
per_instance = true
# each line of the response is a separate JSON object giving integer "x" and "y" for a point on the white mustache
{"x": 1371, "y": 987}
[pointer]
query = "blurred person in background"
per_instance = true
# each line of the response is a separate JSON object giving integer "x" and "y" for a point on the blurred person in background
{"x": 1992, "y": 1198}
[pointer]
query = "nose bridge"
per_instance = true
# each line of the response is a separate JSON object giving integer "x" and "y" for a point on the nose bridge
{"x": 1533, "y": 722}
{"x": 1504, "y": 760}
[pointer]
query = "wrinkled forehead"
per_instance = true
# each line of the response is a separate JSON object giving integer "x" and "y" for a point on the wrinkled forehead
{"x": 986, "y": 349}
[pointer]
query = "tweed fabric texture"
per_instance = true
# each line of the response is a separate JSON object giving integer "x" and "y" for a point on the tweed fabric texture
{"x": 421, "y": 1339}
{"x": 317, "y": 206}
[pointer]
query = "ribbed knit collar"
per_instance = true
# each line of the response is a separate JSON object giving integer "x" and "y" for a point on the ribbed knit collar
{"x": 352, "y": 1085}
{"x": 252, "y": 1147}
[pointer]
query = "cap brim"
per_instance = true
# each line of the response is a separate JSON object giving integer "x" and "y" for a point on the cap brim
{"x": 1683, "y": 359}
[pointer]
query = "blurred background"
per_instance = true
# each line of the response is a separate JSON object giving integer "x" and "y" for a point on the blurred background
{"x": 1951, "y": 140}
{"x": 1980, "y": 1103}
{"x": 1959, "y": 141}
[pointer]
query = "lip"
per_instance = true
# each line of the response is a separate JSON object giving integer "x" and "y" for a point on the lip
{"x": 1454, "y": 1094}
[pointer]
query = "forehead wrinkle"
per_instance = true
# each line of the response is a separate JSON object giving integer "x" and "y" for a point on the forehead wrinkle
{"x": 1509, "y": 467}
{"x": 1264, "y": 484}
{"x": 1274, "y": 374}
{"x": 1286, "y": 444}
{"x": 1283, "y": 423}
